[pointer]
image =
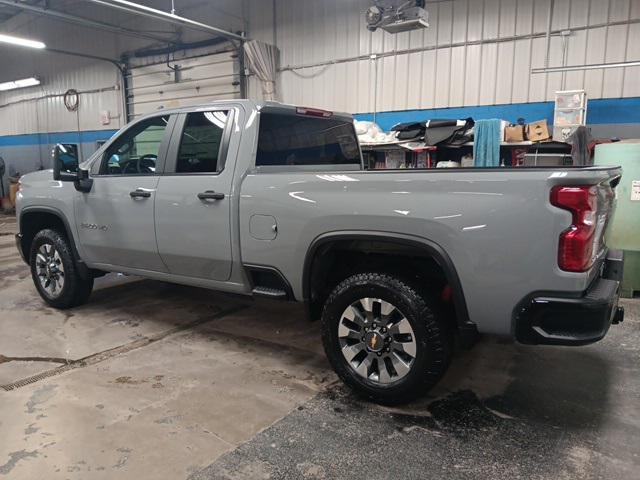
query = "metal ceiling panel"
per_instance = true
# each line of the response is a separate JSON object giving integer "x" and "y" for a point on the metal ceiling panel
{"x": 6, "y": 13}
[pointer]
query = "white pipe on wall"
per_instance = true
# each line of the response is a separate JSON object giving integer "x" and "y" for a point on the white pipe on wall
{"x": 506, "y": 39}
{"x": 594, "y": 66}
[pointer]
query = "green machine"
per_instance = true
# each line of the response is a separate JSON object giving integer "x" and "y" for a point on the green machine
{"x": 624, "y": 233}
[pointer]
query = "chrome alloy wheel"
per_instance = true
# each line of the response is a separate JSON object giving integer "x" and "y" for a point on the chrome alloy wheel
{"x": 377, "y": 340}
{"x": 50, "y": 270}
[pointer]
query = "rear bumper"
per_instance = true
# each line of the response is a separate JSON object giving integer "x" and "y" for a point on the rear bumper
{"x": 551, "y": 319}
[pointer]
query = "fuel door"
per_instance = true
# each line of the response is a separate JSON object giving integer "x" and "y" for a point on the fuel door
{"x": 263, "y": 227}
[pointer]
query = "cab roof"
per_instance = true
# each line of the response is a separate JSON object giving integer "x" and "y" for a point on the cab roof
{"x": 251, "y": 105}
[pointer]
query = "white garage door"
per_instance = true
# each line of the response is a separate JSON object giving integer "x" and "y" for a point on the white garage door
{"x": 201, "y": 79}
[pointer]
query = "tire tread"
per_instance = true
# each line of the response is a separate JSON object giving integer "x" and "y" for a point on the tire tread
{"x": 76, "y": 290}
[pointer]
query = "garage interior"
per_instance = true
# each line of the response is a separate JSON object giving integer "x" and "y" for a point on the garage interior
{"x": 155, "y": 380}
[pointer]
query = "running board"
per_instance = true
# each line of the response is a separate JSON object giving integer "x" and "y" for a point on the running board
{"x": 273, "y": 293}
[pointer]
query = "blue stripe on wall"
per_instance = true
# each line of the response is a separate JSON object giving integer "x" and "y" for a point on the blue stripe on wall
{"x": 55, "y": 137}
{"x": 600, "y": 111}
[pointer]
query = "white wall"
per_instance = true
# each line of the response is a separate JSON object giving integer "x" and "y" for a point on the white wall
{"x": 41, "y": 109}
{"x": 435, "y": 73}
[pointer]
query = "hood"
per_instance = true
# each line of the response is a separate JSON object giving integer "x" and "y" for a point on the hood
{"x": 37, "y": 175}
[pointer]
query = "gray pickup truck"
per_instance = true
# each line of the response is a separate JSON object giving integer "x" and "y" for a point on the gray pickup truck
{"x": 272, "y": 200}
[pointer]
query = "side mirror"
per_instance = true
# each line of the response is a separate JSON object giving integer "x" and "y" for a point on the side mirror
{"x": 65, "y": 162}
{"x": 66, "y": 169}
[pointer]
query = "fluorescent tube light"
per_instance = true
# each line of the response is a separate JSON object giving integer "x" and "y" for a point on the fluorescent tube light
{"x": 596, "y": 66}
{"x": 25, "y": 82}
{"x": 21, "y": 42}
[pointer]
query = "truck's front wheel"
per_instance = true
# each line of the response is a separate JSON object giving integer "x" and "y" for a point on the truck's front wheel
{"x": 384, "y": 339}
{"x": 54, "y": 271}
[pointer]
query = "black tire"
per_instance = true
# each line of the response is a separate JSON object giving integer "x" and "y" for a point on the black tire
{"x": 433, "y": 346}
{"x": 75, "y": 289}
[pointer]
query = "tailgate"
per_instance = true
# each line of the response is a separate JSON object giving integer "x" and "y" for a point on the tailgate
{"x": 606, "y": 209}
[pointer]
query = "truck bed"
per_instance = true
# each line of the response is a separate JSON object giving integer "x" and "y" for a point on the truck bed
{"x": 496, "y": 225}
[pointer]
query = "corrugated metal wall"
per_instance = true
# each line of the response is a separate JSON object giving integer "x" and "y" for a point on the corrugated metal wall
{"x": 476, "y": 52}
{"x": 32, "y": 120}
{"x": 41, "y": 109}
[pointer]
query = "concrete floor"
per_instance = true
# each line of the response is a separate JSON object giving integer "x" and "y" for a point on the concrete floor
{"x": 151, "y": 380}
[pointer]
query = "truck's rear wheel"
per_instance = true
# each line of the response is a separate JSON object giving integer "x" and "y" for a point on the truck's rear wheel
{"x": 54, "y": 271}
{"x": 384, "y": 339}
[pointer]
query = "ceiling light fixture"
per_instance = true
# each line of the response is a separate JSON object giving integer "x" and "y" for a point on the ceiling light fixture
{"x": 21, "y": 42}
{"x": 25, "y": 82}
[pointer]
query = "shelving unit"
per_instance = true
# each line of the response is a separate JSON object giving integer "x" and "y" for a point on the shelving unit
{"x": 376, "y": 155}
{"x": 570, "y": 113}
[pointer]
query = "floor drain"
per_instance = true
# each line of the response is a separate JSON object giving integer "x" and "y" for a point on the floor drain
{"x": 40, "y": 376}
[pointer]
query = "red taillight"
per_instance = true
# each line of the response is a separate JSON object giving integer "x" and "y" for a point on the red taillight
{"x": 575, "y": 253}
{"x": 313, "y": 112}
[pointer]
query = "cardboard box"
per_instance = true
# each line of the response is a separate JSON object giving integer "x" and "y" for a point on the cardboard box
{"x": 538, "y": 131}
{"x": 514, "y": 133}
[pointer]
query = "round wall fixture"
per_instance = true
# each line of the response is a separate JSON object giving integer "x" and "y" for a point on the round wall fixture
{"x": 71, "y": 100}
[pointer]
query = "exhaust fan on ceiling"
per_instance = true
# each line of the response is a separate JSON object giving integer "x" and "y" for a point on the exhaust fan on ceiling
{"x": 395, "y": 16}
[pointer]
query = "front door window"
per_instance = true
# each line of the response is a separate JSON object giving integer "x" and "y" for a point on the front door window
{"x": 136, "y": 151}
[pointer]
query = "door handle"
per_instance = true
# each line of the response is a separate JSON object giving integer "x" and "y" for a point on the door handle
{"x": 210, "y": 195}
{"x": 139, "y": 193}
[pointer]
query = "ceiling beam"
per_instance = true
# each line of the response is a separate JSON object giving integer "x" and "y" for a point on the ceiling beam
{"x": 143, "y": 10}
{"x": 83, "y": 21}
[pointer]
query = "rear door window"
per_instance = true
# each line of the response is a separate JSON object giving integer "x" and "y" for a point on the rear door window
{"x": 289, "y": 139}
{"x": 201, "y": 142}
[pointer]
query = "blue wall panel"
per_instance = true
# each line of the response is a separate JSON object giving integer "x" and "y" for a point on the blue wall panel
{"x": 55, "y": 137}
{"x": 27, "y": 153}
{"x": 601, "y": 111}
